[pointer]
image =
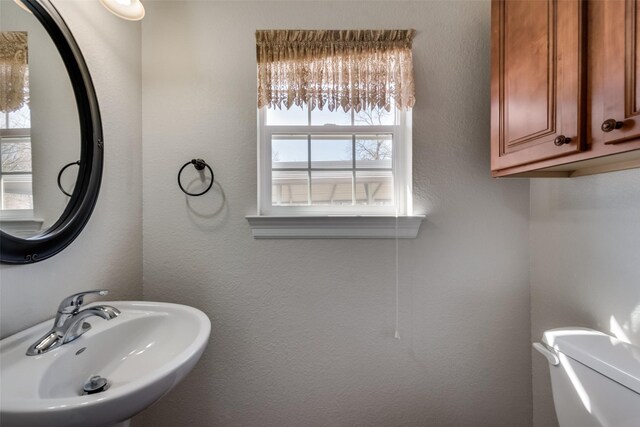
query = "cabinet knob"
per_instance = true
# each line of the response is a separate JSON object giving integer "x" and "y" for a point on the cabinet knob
{"x": 610, "y": 124}
{"x": 561, "y": 140}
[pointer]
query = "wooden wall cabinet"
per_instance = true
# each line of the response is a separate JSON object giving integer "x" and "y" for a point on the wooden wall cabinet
{"x": 564, "y": 98}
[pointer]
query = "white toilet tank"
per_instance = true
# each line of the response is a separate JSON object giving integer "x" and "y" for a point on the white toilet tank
{"x": 595, "y": 378}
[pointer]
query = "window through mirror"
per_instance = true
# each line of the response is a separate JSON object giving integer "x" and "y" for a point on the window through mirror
{"x": 16, "y": 183}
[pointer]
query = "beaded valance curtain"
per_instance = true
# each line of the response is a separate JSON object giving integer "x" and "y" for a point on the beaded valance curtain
{"x": 333, "y": 69}
{"x": 13, "y": 70}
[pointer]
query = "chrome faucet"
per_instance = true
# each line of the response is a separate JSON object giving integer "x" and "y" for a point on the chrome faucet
{"x": 69, "y": 323}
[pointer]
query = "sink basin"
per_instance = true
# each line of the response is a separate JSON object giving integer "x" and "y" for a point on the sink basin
{"x": 143, "y": 353}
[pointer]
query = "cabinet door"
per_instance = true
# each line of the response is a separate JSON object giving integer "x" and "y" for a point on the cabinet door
{"x": 537, "y": 84}
{"x": 617, "y": 122}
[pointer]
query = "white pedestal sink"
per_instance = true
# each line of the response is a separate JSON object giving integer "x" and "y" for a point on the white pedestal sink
{"x": 142, "y": 353}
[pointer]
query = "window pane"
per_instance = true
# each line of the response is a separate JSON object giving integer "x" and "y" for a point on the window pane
{"x": 20, "y": 119}
{"x": 331, "y": 151}
{"x": 17, "y": 192}
{"x": 16, "y": 156}
{"x": 374, "y": 188}
{"x": 374, "y": 151}
{"x": 331, "y": 188}
{"x": 289, "y": 188}
{"x": 326, "y": 117}
{"x": 375, "y": 117}
{"x": 295, "y": 116}
{"x": 3, "y": 120}
{"x": 289, "y": 151}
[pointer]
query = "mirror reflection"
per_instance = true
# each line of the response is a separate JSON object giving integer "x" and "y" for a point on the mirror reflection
{"x": 39, "y": 126}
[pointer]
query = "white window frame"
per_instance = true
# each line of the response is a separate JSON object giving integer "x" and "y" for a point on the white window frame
{"x": 401, "y": 166}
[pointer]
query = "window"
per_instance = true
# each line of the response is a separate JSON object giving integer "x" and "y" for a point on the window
{"x": 16, "y": 194}
{"x": 315, "y": 162}
{"x": 334, "y": 118}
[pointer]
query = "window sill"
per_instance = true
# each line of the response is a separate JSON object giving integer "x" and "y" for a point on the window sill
{"x": 21, "y": 227}
{"x": 334, "y": 227}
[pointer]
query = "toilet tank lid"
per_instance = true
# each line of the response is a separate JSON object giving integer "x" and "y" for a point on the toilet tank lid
{"x": 603, "y": 353}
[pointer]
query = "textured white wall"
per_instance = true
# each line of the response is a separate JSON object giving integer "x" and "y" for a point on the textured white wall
{"x": 303, "y": 329}
{"x": 108, "y": 253}
{"x": 585, "y": 263}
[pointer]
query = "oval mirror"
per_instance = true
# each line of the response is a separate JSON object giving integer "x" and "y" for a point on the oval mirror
{"x": 50, "y": 134}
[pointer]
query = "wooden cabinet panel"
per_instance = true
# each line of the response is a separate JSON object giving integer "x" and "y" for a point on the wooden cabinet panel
{"x": 620, "y": 56}
{"x": 527, "y": 73}
{"x": 537, "y": 83}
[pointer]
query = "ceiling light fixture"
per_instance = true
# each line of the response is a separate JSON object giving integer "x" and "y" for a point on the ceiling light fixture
{"x": 132, "y": 10}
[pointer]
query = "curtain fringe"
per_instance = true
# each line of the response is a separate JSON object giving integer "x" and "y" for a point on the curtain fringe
{"x": 13, "y": 70}
{"x": 359, "y": 69}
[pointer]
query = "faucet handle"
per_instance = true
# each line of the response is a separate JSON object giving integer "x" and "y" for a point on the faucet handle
{"x": 72, "y": 303}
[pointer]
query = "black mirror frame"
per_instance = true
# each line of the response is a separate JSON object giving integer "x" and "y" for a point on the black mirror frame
{"x": 15, "y": 250}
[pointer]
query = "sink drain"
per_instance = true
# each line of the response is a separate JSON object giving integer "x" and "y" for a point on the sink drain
{"x": 95, "y": 384}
